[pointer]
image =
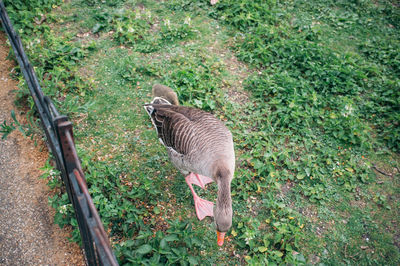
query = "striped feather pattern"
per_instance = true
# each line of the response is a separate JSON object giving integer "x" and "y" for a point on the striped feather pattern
{"x": 184, "y": 128}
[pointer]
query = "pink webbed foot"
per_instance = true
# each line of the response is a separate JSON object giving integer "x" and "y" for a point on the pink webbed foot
{"x": 203, "y": 207}
{"x": 198, "y": 180}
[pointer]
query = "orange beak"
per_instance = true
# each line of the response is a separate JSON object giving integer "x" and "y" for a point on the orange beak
{"x": 220, "y": 238}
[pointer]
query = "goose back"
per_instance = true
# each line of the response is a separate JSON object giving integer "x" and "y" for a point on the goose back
{"x": 195, "y": 139}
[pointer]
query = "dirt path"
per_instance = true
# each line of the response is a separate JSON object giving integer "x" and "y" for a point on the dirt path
{"x": 28, "y": 235}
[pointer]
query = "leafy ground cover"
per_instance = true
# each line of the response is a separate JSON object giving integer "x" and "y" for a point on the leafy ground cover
{"x": 309, "y": 89}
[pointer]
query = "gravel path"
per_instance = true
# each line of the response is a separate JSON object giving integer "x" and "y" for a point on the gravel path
{"x": 28, "y": 235}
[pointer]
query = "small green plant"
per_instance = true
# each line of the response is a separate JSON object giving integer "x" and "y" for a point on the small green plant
{"x": 111, "y": 3}
{"x": 132, "y": 27}
{"x": 141, "y": 31}
{"x": 52, "y": 175}
{"x": 175, "y": 32}
{"x": 246, "y": 14}
{"x": 103, "y": 21}
{"x": 6, "y": 129}
{"x": 27, "y": 17}
{"x": 162, "y": 248}
{"x": 196, "y": 81}
{"x": 27, "y": 130}
{"x": 274, "y": 239}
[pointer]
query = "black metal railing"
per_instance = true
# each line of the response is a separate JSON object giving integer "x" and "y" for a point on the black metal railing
{"x": 58, "y": 130}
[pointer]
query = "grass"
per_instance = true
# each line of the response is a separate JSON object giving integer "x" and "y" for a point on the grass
{"x": 309, "y": 89}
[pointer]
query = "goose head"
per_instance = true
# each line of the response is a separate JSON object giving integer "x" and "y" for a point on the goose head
{"x": 223, "y": 221}
{"x": 166, "y": 93}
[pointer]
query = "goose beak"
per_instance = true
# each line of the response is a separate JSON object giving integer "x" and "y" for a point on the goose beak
{"x": 220, "y": 238}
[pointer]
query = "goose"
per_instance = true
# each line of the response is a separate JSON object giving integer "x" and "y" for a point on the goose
{"x": 201, "y": 147}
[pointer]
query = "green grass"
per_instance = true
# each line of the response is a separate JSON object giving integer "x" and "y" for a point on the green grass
{"x": 309, "y": 89}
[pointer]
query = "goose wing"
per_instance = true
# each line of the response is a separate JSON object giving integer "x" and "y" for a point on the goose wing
{"x": 174, "y": 128}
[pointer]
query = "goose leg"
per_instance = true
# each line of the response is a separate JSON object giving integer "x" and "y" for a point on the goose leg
{"x": 201, "y": 180}
{"x": 203, "y": 207}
